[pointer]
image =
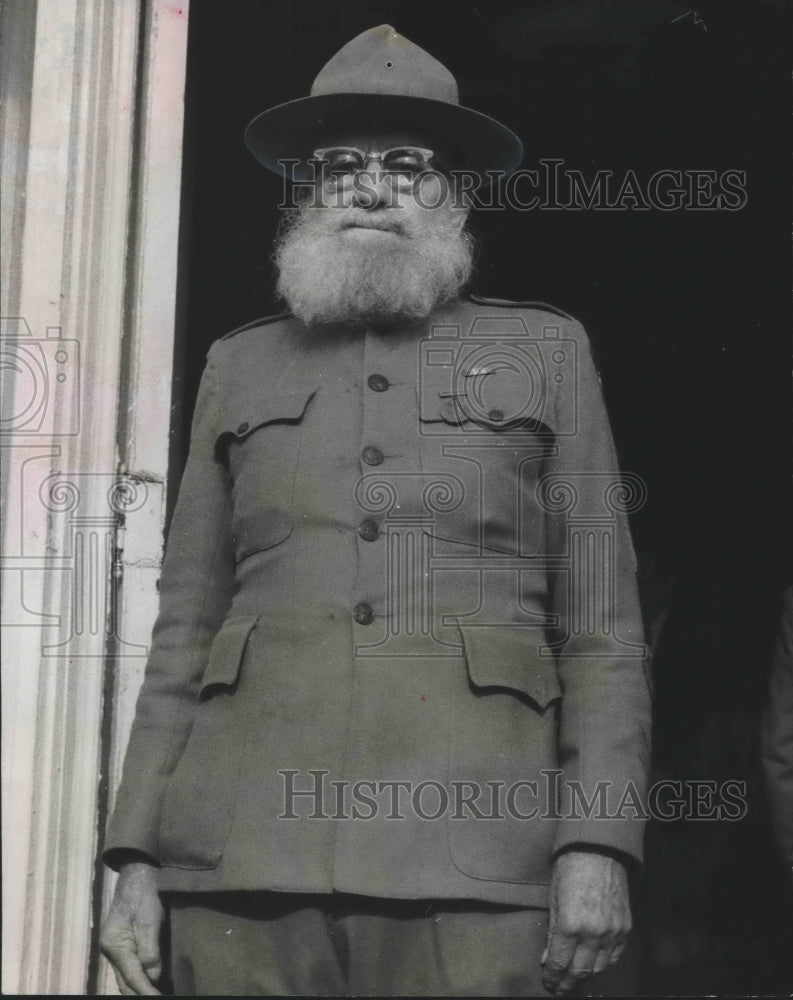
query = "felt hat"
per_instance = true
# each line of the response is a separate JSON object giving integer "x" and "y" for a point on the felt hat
{"x": 379, "y": 78}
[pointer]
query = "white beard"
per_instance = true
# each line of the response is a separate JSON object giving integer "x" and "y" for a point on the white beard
{"x": 327, "y": 276}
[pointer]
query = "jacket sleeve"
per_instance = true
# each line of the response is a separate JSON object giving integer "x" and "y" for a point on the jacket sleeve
{"x": 196, "y": 585}
{"x": 604, "y": 734}
{"x": 777, "y": 734}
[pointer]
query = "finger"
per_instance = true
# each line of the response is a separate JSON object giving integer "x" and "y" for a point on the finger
{"x": 616, "y": 953}
{"x": 580, "y": 968}
{"x": 557, "y": 958}
{"x": 129, "y": 967}
{"x": 153, "y": 970}
{"x": 602, "y": 960}
{"x": 149, "y": 951}
{"x": 122, "y": 986}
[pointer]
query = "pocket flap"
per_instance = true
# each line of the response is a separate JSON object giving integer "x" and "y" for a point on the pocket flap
{"x": 496, "y": 411}
{"x": 226, "y": 652}
{"x": 509, "y": 658}
{"x": 443, "y": 409}
{"x": 248, "y": 411}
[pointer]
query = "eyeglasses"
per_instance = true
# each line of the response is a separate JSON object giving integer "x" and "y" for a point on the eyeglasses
{"x": 404, "y": 164}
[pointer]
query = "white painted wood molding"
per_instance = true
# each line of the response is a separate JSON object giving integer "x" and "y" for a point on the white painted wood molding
{"x": 91, "y": 166}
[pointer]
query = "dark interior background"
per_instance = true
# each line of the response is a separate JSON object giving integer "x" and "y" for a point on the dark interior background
{"x": 690, "y": 316}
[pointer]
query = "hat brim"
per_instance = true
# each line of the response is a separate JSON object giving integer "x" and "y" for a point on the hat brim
{"x": 292, "y": 130}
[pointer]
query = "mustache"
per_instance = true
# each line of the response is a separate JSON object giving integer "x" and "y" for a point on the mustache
{"x": 336, "y": 220}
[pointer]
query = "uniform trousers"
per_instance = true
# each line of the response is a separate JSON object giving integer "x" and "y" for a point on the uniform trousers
{"x": 283, "y": 944}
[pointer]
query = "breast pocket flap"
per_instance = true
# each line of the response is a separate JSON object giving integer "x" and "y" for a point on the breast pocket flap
{"x": 248, "y": 412}
{"x": 444, "y": 409}
{"x": 503, "y": 413}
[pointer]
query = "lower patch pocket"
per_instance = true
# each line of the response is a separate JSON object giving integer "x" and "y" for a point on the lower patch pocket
{"x": 502, "y": 745}
{"x": 202, "y": 793}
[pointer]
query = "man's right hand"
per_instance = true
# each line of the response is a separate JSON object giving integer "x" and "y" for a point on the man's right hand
{"x": 130, "y": 937}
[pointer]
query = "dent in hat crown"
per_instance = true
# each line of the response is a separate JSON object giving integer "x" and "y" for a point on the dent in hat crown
{"x": 381, "y": 61}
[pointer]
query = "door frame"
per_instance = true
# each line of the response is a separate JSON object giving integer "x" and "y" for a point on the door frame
{"x": 92, "y": 165}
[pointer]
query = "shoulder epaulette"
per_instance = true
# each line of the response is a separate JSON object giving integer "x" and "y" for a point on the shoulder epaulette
{"x": 483, "y": 300}
{"x": 264, "y": 321}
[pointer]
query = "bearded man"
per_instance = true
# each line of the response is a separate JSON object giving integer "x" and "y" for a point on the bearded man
{"x": 395, "y": 704}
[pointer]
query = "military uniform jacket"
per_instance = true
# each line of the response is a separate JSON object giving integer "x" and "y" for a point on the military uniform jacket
{"x": 399, "y": 618}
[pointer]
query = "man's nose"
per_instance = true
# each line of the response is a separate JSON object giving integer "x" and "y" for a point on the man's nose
{"x": 372, "y": 187}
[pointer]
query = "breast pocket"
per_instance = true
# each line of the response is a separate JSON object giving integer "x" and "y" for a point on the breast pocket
{"x": 502, "y": 399}
{"x": 260, "y": 445}
{"x": 499, "y": 460}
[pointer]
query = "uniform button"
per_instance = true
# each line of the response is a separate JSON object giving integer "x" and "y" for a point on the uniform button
{"x": 378, "y": 383}
{"x": 363, "y": 613}
{"x": 372, "y": 455}
{"x": 368, "y": 530}
{"x": 496, "y": 415}
{"x": 243, "y": 427}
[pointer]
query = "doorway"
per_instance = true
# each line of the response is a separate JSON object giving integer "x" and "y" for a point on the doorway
{"x": 688, "y": 311}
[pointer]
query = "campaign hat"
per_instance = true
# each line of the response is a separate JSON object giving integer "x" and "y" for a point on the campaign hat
{"x": 381, "y": 79}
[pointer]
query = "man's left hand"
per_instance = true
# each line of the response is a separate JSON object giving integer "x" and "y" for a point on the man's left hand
{"x": 590, "y": 918}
